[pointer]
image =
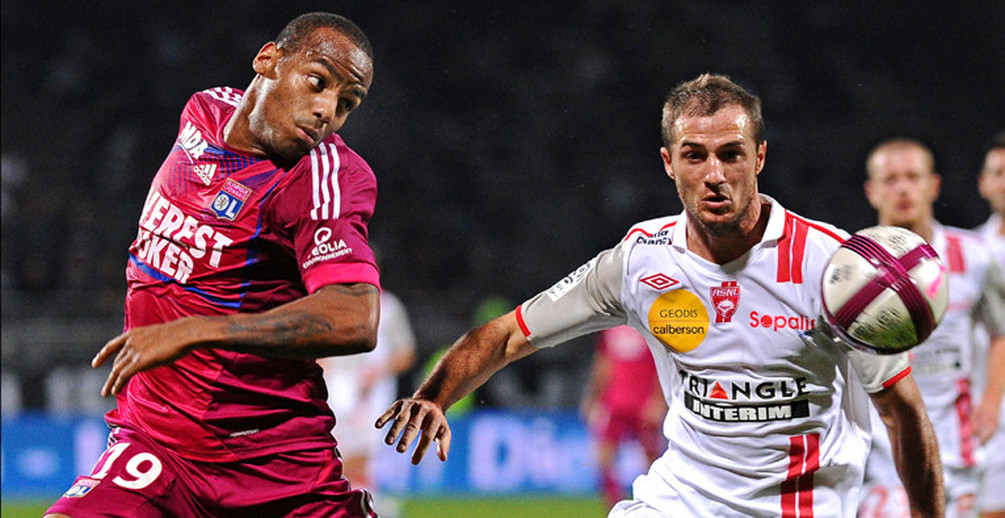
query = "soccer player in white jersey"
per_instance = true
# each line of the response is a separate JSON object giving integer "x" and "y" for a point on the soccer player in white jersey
{"x": 767, "y": 413}
{"x": 991, "y": 499}
{"x": 902, "y": 186}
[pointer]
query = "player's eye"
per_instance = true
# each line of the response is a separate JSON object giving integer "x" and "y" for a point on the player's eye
{"x": 317, "y": 82}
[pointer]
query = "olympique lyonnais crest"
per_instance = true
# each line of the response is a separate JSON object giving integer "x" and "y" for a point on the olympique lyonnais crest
{"x": 725, "y": 299}
{"x": 228, "y": 202}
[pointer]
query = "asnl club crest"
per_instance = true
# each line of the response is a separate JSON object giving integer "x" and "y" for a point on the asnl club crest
{"x": 229, "y": 201}
{"x": 725, "y": 300}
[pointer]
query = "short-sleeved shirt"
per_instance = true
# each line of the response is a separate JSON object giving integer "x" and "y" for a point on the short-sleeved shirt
{"x": 223, "y": 232}
{"x": 765, "y": 416}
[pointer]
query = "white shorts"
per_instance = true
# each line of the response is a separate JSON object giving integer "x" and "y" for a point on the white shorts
{"x": 634, "y": 509}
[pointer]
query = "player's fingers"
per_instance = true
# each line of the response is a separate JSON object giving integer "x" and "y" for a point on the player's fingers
{"x": 111, "y": 347}
{"x": 401, "y": 422}
{"x": 443, "y": 442}
{"x": 123, "y": 368}
{"x": 388, "y": 414}
{"x": 432, "y": 430}
{"x": 421, "y": 447}
{"x": 412, "y": 427}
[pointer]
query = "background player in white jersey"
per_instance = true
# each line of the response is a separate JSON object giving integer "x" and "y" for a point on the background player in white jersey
{"x": 361, "y": 386}
{"x": 767, "y": 414}
{"x": 991, "y": 183}
{"x": 902, "y": 186}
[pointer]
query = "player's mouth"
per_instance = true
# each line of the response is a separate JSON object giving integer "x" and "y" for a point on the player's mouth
{"x": 307, "y": 135}
{"x": 715, "y": 202}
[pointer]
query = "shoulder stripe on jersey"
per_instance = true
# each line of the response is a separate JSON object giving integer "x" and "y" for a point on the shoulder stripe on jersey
{"x": 225, "y": 94}
{"x": 797, "y": 489}
{"x": 792, "y": 247}
{"x": 324, "y": 182}
{"x": 647, "y": 234}
{"x": 954, "y": 253}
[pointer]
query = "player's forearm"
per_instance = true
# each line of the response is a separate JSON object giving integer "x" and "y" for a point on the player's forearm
{"x": 995, "y": 388}
{"x": 336, "y": 320}
{"x": 471, "y": 361}
{"x": 916, "y": 454}
{"x": 917, "y": 458}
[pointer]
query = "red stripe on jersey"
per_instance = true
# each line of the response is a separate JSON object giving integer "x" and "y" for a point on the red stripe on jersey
{"x": 792, "y": 247}
{"x": 797, "y": 489}
{"x": 954, "y": 253}
{"x": 798, "y": 251}
{"x": 889, "y": 383}
{"x": 647, "y": 234}
{"x": 963, "y": 409}
{"x": 519, "y": 320}
{"x": 784, "y": 247}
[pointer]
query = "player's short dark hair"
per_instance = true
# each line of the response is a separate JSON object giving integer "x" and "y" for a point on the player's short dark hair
{"x": 293, "y": 37}
{"x": 997, "y": 141}
{"x": 704, "y": 96}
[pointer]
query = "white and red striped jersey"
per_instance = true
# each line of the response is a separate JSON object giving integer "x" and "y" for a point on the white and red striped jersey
{"x": 946, "y": 367}
{"x": 765, "y": 416}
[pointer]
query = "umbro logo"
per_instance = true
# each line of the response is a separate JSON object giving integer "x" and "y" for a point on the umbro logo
{"x": 660, "y": 281}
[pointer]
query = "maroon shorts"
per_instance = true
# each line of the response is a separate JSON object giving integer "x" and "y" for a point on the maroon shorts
{"x": 136, "y": 477}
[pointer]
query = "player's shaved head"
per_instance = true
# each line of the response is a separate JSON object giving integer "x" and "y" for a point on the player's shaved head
{"x": 704, "y": 96}
{"x": 898, "y": 144}
{"x": 297, "y": 33}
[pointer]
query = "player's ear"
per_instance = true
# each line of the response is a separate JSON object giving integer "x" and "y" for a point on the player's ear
{"x": 762, "y": 151}
{"x": 266, "y": 59}
{"x": 665, "y": 155}
{"x": 867, "y": 187}
{"x": 936, "y": 186}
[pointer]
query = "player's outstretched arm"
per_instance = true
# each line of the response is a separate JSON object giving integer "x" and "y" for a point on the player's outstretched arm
{"x": 915, "y": 449}
{"x": 469, "y": 363}
{"x": 335, "y": 320}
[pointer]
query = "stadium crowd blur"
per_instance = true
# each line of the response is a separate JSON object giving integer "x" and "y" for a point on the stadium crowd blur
{"x": 511, "y": 140}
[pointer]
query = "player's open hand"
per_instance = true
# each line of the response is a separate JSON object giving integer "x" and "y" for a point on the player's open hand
{"x": 139, "y": 349}
{"x": 412, "y": 416}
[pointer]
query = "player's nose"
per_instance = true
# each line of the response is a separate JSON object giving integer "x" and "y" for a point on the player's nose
{"x": 325, "y": 107}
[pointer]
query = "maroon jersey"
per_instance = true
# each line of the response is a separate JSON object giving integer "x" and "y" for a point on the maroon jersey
{"x": 222, "y": 232}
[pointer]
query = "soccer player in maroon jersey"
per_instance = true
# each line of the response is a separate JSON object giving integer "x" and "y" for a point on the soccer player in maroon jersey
{"x": 251, "y": 261}
{"x": 623, "y": 403}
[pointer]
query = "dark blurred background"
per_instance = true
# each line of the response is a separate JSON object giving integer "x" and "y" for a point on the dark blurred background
{"x": 512, "y": 141}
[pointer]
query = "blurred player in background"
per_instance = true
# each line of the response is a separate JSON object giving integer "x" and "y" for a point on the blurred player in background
{"x": 767, "y": 416}
{"x": 623, "y": 403}
{"x": 991, "y": 182}
{"x": 902, "y": 186}
{"x": 360, "y": 388}
{"x": 251, "y": 262}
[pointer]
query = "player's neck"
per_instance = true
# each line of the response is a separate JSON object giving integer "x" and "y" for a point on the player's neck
{"x": 721, "y": 248}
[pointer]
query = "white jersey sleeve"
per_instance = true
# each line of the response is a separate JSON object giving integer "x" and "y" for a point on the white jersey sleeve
{"x": 991, "y": 307}
{"x": 585, "y": 301}
{"x": 877, "y": 372}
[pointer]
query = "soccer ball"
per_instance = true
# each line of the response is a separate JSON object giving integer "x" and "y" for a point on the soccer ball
{"x": 884, "y": 290}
